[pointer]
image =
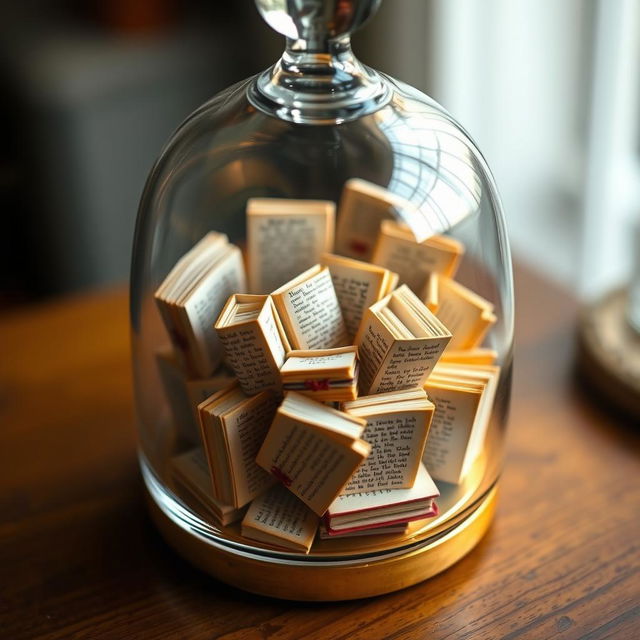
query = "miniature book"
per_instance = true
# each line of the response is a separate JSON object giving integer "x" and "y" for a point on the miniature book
{"x": 254, "y": 341}
{"x": 383, "y": 508}
{"x": 284, "y": 238}
{"x": 310, "y": 312}
{"x": 399, "y": 342}
{"x": 233, "y": 428}
{"x": 398, "y": 250}
{"x": 397, "y": 428}
{"x": 193, "y": 294}
{"x": 191, "y": 472}
{"x": 358, "y": 285}
{"x": 363, "y": 208}
{"x": 463, "y": 396}
{"x": 280, "y": 519}
{"x": 466, "y": 314}
{"x": 326, "y": 375}
{"x": 185, "y": 394}
{"x": 313, "y": 450}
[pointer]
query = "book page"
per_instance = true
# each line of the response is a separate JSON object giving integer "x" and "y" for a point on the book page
{"x": 413, "y": 261}
{"x": 408, "y": 364}
{"x": 314, "y": 364}
{"x": 423, "y": 489}
{"x": 280, "y": 518}
{"x": 357, "y": 290}
{"x": 397, "y": 441}
{"x": 285, "y": 238}
{"x": 308, "y": 461}
{"x": 203, "y": 307}
{"x": 450, "y": 433}
{"x": 374, "y": 342}
{"x": 245, "y": 429}
{"x": 314, "y": 314}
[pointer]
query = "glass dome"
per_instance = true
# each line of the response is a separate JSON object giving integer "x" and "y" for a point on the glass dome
{"x": 301, "y": 130}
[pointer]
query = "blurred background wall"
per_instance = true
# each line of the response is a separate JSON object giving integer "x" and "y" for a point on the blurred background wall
{"x": 91, "y": 90}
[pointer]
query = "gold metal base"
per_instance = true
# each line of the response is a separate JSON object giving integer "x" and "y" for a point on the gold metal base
{"x": 329, "y": 580}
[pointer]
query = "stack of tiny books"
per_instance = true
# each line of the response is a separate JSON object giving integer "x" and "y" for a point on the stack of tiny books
{"x": 324, "y": 390}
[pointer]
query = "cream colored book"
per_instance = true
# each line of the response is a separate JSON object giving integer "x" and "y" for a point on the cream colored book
{"x": 378, "y": 509}
{"x": 463, "y": 395}
{"x": 284, "y": 238}
{"x": 280, "y": 519}
{"x": 397, "y": 428}
{"x": 193, "y": 294}
{"x": 399, "y": 342}
{"x": 358, "y": 285}
{"x": 190, "y": 472}
{"x": 183, "y": 394}
{"x": 467, "y": 315}
{"x": 477, "y": 355}
{"x": 309, "y": 310}
{"x": 363, "y": 208}
{"x": 233, "y": 428}
{"x": 398, "y": 250}
{"x": 313, "y": 450}
{"x": 254, "y": 341}
{"x": 326, "y": 375}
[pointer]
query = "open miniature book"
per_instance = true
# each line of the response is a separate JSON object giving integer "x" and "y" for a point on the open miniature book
{"x": 364, "y": 206}
{"x": 313, "y": 449}
{"x": 398, "y": 250}
{"x": 326, "y": 375}
{"x": 184, "y": 394}
{"x": 310, "y": 312}
{"x": 463, "y": 395}
{"x": 190, "y": 472}
{"x": 383, "y": 508}
{"x": 192, "y": 295}
{"x": 286, "y": 237}
{"x": 466, "y": 314}
{"x": 397, "y": 428}
{"x": 279, "y": 518}
{"x": 233, "y": 428}
{"x": 254, "y": 341}
{"x": 399, "y": 342}
{"x": 358, "y": 285}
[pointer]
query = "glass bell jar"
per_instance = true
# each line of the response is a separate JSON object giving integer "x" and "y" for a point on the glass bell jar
{"x": 319, "y": 155}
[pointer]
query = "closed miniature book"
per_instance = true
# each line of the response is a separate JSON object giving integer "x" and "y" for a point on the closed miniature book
{"x": 280, "y": 519}
{"x": 190, "y": 472}
{"x": 191, "y": 297}
{"x": 184, "y": 394}
{"x": 233, "y": 428}
{"x": 254, "y": 341}
{"x": 309, "y": 310}
{"x": 284, "y": 238}
{"x": 399, "y": 342}
{"x": 313, "y": 449}
{"x": 358, "y": 285}
{"x": 363, "y": 207}
{"x": 398, "y": 250}
{"x": 466, "y": 314}
{"x": 463, "y": 395}
{"x": 326, "y": 375}
{"x": 383, "y": 508}
{"x": 397, "y": 428}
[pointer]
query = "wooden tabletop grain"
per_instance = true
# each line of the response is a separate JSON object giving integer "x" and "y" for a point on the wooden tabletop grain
{"x": 79, "y": 557}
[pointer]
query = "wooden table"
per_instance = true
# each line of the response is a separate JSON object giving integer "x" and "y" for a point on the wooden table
{"x": 80, "y": 559}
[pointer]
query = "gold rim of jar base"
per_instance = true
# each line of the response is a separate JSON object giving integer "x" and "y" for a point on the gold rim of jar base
{"x": 331, "y": 581}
